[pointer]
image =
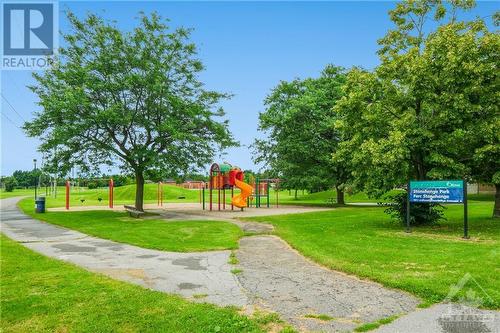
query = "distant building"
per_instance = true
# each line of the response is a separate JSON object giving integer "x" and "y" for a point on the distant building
{"x": 188, "y": 184}
{"x": 193, "y": 184}
{"x": 480, "y": 188}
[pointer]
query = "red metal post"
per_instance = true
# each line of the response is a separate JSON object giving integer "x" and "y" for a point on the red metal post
{"x": 214, "y": 178}
{"x": 111, "y": 188}
{"x": 67, "y": 194}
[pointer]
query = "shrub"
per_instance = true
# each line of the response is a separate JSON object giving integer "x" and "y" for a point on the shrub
{"x": 10, "y": 183}
{"x": 420, "y": 213}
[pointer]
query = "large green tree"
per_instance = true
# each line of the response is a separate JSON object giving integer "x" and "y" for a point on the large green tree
{"x": 300, "y": 138}
{"x": 430, "y": 110}
{"x": 29, "y": 178}
{"x": 128, "y": 98}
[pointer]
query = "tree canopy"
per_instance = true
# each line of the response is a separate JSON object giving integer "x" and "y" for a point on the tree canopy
{"x": 430, "y": 109}
{"x": 131, "y": 99}
{"x": 301, "y": 138}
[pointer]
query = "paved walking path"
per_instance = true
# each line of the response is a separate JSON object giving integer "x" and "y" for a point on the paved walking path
{"x": 446, "y": 318}
{"x": 186, "y": 274}
{"x": 280, "y": 279}
{"x": 274, "y": 277}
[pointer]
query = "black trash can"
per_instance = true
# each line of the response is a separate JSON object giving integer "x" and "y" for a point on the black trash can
{"x": 40, "y": 205}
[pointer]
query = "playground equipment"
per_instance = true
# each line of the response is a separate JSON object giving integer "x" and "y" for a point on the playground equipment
{"x": 226, "y": 177}
{"x": 99, "y": 198}
{"x": 159, "y": 194}
{"x": 262, "y": 190}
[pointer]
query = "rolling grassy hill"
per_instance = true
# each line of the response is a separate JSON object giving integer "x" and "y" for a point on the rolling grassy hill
{"x": 122, "y": 195}
{"x": 319, "y": 198}
{"x": 16, "y": 193}
{"x": 170, "y": 193}
{"x": 126, "y": 194}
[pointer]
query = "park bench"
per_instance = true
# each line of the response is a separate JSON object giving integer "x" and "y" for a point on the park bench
{"x": 133, "y": 212}
{"x": 331, "y": 201}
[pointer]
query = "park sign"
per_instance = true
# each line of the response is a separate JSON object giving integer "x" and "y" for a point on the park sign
{"x": 443, "y": 191}
{"x": 437, "y": 191}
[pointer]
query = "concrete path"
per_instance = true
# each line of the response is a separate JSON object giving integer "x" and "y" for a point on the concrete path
{"x": 186, "y": 274}
{"x": 280, "y": 279}
{"x": 446, "y": 318}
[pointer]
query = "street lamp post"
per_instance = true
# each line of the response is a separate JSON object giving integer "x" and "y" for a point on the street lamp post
{"x": 34, "y": 164}
{"x": 39, "y": 179}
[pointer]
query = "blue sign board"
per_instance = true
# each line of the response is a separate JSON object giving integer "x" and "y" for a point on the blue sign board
{"x": 445, "y": 191}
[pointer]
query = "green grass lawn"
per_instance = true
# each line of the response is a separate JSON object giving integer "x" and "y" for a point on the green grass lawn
{"x": 179, "y": 236}
{"x": 122, "y": 195}
{"x": 318, "y": 198}
{"x": 40, "y": 294}
{"x": 322, "y": 198}
{"x": 16, "y": 193}
{"x": 365, "y": 242}
{"x": 126, "y": 194}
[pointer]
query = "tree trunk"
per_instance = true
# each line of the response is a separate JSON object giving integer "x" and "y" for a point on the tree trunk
{"x": 139, "y": 191}
{"x": 295, "y": 194}
{"x": 496, "y": 209}
{"x": 340, "y": 196}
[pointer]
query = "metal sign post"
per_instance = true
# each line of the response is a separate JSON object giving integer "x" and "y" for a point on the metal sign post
{"x": 408, "y": 209}
{"x": 466, "y": 217}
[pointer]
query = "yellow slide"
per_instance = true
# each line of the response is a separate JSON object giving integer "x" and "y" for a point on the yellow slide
{"x": 240, "y": 200}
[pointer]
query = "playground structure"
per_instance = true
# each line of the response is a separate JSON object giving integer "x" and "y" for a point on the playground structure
{"x": 99, "y": 198}
{"x": 226, "y": 177}
{"x": 262, "y": 191}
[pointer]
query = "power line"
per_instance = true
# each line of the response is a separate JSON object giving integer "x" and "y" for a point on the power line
{"x": 8, "y": 103}
{"x": 10, "y": 120}
{"x": 11, "y": 79}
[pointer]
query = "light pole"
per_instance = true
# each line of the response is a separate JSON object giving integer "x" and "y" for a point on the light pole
{"x": 39, "y": 178}
{"x": 34, "y": 164}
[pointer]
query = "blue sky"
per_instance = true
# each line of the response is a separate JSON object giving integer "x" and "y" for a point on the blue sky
{"x": 246, "y": 47}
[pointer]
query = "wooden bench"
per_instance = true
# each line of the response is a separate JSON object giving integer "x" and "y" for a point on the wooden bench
{"x": 133, "y": 212}
{"x": 331, "y": 201}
